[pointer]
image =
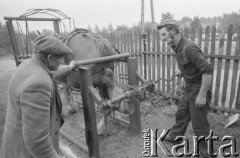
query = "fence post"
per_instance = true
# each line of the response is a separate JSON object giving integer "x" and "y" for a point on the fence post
{"x": 144, "y": 37}
{"x": 135, "y": 122}
{"x": 89, "y": 113}
{"x": 13, "y": 41}
{"x": 237, "y": 50}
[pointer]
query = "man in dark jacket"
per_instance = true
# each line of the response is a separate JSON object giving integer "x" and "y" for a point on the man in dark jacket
{"x": 197, "y": 73}
{"x": 33, "y": 117}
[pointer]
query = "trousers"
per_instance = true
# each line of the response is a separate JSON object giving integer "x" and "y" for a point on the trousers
{"x": 187, "y": 111}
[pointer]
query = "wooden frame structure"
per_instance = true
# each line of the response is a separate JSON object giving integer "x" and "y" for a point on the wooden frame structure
{"x": 89, "y": 96}
{"x": 9, "y": 23}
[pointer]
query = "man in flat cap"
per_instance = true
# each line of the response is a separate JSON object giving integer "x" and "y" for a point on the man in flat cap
{"x": 197, "y": 73}
{"x": 33, "y": 116}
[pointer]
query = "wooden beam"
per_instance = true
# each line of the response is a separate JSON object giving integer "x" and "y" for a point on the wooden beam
{"x": 140, "y": 78}
{"x": 85, "y": 76}
{"x": 13, "y": 41}
{"x": 31, "y": 19}
{"x": 102, "y": 59}
{"x": 135, "y": 122}
{"x": 56, "y": 27}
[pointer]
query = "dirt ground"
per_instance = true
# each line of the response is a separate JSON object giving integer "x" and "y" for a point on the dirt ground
{"x": 119, "y": 143}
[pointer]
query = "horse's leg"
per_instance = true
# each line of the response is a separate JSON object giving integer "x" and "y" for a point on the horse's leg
{"x": 69, "y": 99}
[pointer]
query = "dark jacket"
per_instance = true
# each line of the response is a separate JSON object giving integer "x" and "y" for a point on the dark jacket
{"x": 33, "y": 117}
{"x": 191, "y": 61}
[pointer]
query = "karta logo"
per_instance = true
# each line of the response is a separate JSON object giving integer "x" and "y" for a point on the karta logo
{"x": 153, "y": 143}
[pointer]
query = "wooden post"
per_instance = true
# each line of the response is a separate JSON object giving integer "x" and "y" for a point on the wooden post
{"x": 56, "y": 27}
{"x": 135, "y": 122}
{"x": 227, "y": 66}
{"x": 89, "y": 113}
{"x": 237, "y": 106}
{"x": 13, "y": 41}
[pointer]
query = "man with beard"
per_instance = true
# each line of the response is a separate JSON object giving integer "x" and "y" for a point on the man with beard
{"x": 197, "y": 73}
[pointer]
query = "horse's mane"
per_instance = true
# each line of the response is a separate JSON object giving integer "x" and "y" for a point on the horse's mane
{"x": 102, "y": 44}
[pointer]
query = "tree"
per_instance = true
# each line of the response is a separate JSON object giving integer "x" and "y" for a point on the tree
{"x": 110, "y": 27}
{"x": 166, "y": 16}
{"x": 5, "y": 43}
{"x": 96, "y": 29}
{"x": 104, "y": 30}
{"x": 89, "y": 28}
{"x": 196, "y": 22}
{"x": 186, "y": 22}
{"x": 122, "y": 28}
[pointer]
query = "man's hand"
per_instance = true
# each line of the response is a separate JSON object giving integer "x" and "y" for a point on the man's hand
{"x": 72, "y": 64}
{"x": 200, "y": 101}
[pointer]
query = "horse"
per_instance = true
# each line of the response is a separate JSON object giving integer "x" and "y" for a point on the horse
{"x": 87, "y": 45}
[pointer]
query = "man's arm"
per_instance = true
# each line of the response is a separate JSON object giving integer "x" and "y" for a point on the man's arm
{"x": 195, "y": 55}
{"x": 206, "y": 84}
{"x": 63, "y": 71}
{"x": 35, "y": 101}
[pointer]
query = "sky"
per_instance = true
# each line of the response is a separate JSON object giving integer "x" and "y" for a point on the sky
{"x": 118, "y": 12}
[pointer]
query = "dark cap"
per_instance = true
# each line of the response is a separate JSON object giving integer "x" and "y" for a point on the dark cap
{"x": 51, "y": 45}
{"x": 168, "y": 22}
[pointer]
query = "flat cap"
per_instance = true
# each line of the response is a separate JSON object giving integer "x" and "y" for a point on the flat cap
{"x": 168, "y": 22}
{"x": 51, "y": 45}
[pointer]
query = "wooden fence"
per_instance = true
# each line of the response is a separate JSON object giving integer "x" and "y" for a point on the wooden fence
{"x": 158, "y": 61}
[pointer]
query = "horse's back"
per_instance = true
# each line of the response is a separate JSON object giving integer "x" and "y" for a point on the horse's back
{"x": 86, "y": 45}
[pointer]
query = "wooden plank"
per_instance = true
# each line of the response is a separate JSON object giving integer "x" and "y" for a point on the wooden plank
{"x": 117, "y": 64}
{"x": 230, "y": 57}
{"x": 135, "y": 41}
{"x": 218, "y": 74}
{"x": 140, "y": 78}
{"x": 212, "y": 51}
{"x": 135, "y": 121}
{"x": 185, "y": 32}
{"x": 141, "y": 49}
{"x": 158, "y": 60}
{"x": 121, "y": 63}
{"x": 56, "y": 27}
{"x": 149, "y": 56}
{"x": 200, "y": 37}
{"x": 129, "y": 43}
{"x": 161, "y": 53}
{"x": 235, "y": 71}
{"x": 206, "y": 42}
{"x": 237, "y": 106}
{"x": 127, "y": 50}
{"x": 13, "y": 40}
{"x": 173, "y": 74}
{"x": 163, "y": 65}
{"x": 227, "y": 65}
{"x": 168, "y": 70}
{"x": 31, "y": 19}
{"x": 193, "y": 34}
{"x": 89, "y": 113}
{"x": 153, "y": 56}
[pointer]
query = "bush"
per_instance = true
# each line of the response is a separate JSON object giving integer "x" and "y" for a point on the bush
{"x": 5, "y": 44}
